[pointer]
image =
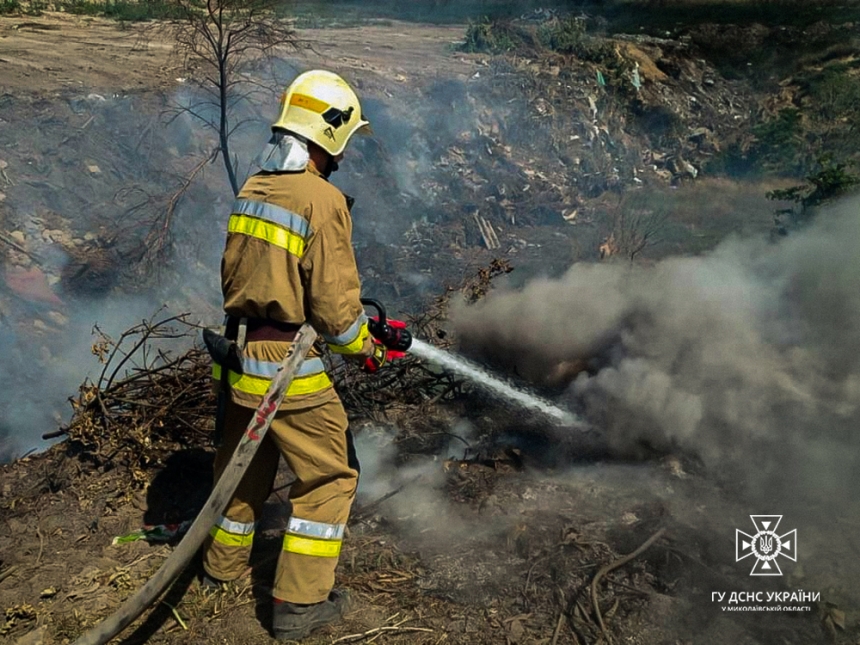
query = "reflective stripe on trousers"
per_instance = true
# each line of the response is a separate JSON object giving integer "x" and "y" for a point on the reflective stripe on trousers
{"x": 316, "y": 539}
{"x": 315, "y": 442}
{"x": 231, "y": 533}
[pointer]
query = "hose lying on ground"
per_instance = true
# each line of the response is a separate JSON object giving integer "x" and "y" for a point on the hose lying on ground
{"x": 221, "y": 494}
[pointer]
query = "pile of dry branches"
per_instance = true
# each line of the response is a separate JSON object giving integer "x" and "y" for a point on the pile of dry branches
{"x": 154, "y": 394}
{"x": 147, "y": 401}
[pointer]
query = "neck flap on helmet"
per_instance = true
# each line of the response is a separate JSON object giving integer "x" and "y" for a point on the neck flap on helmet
{"x": 285, "y": 152}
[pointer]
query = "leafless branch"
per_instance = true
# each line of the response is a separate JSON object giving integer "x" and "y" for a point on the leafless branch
{"x": 222, "y": 36}
{"x": 632, "y": 230}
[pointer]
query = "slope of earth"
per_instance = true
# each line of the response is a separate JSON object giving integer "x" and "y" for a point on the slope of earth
{"x": 94, "y": 53}
{"x": 56, "y": 52}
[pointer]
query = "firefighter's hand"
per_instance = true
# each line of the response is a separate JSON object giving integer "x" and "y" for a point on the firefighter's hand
{"x": 375, "y": 361}
{"x": 381, "y": 356}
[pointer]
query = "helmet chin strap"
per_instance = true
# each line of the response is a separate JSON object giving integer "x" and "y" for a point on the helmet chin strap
{"x": 323, "y": 161}
{"x": 331, "y": 167}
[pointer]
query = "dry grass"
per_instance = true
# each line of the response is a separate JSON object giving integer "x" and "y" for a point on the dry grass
{"x": 720, "y": 200}
{"x": 700, "y": 214}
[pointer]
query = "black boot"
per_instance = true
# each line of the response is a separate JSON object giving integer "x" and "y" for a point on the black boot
{"x": 209, "y": 583}
{"x": 292, "y": 622}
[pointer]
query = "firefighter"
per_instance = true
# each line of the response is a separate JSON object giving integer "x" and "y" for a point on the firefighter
{"x": 289, "y": 259}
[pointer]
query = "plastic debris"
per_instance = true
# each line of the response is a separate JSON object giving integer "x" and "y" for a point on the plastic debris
{"x": 154, "y": 533}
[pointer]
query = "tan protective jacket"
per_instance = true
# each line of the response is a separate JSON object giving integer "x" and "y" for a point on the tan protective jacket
{"x": 289, "y": 258}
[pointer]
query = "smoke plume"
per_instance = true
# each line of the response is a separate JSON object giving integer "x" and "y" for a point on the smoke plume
{"x": 746, "y": 357}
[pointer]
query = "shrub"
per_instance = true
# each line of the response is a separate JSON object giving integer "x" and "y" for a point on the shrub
{"x": 778, "y": 148}
{"x": 129, "y": 10}
{"x": 836, "y": 94}
{"x": 35, "y": 8}
{"x": 565, "y": 36}
{"x": 830, "y": 181}
{"x": 568, "y": 36}
{"x": 778, "y": 140}
{"x": 491, "y": 36}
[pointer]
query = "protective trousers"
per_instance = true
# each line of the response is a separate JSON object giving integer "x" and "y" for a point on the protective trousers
{"x": 318, "y": 449}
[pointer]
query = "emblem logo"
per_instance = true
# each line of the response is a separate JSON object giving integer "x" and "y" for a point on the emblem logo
{"x": 766, "y": 545}
{"x": 336, "y": 118}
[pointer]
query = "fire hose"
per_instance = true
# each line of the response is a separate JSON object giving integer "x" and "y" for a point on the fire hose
{"x": 221, "y": 494}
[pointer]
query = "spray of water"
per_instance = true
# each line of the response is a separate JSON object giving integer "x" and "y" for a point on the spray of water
{"x": 491, "y": 384}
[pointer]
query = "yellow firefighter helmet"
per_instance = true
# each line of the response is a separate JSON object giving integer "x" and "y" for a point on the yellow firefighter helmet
{"x": 323, "y": 108}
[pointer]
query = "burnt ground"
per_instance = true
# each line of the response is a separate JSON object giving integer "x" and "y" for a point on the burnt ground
{"x": 475, "y": 551}
{"x": 500, "y": 542}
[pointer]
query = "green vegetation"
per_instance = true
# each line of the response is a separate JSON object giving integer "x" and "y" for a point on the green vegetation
{"x": 31, "y": 8}
{"x": 835, "y": 91}
{"x": 779, "y": 145}
{"x": 127, "y": 10}
{"x": 430, "y": 11}
{"x": 823, "y": 118}
{"x": 634, "y": 16}
{"x": 830, "y": 181}
{"x": 568, "y": 36}
{"x": 123, "y": 10}
{"x": 492, "y": 36}
{"x": 659, "y": 17}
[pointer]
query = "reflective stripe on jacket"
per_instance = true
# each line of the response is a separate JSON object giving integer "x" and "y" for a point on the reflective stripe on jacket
{"x": 258, "y": 375}
{"x": 289, "y": 258}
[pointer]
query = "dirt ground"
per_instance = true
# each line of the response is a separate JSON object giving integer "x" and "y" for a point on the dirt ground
{"x": 84, "y": 53}
{"x": 506, "y": 542}
{"x": 494, "y": 549}
{"x": 94, "y": 53}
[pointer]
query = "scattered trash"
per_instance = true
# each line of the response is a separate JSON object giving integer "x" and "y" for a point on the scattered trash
{"x": 31, "y": 285}
{"x": 154, "y": 533}
{"x": 637, "y": 82}
{"x": 488, "y": 234}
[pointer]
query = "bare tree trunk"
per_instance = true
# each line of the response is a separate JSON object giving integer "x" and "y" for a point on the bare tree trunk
{"x": 222, "y": 34}
{"x": 223, "y": 124}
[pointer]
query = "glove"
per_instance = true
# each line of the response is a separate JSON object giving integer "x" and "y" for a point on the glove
{"x": 381, "y": 356}
{"x": 377, "y": 359}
